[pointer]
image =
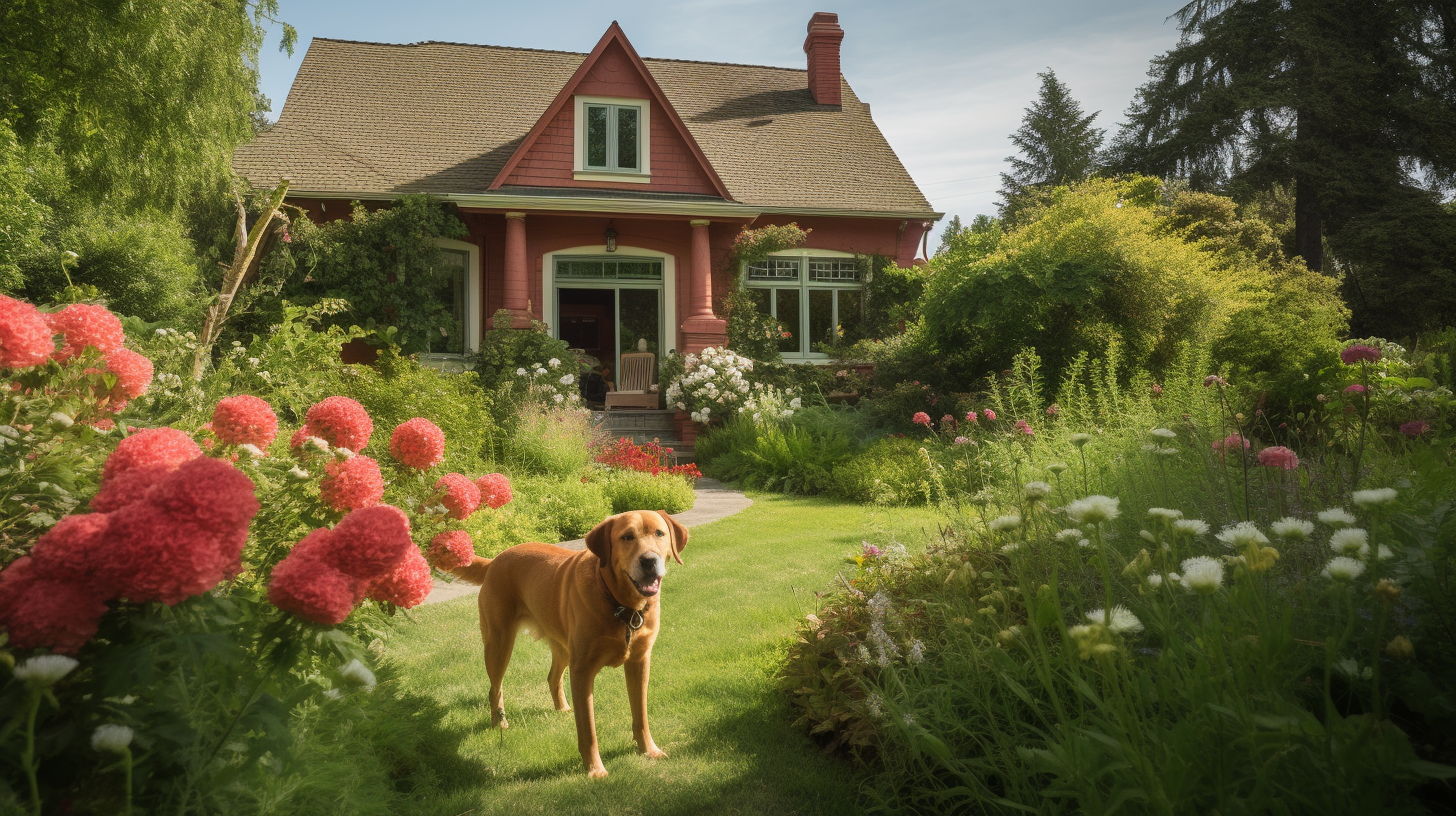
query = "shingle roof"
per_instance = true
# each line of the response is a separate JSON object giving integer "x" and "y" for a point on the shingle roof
{"x": 445, "y": 117}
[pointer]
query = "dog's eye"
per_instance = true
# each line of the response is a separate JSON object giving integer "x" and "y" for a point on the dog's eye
{"x": 661, "y": 533}
{"x": 628, "y": 536}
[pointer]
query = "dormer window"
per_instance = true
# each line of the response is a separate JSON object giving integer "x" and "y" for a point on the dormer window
{"x": 611, "y": 139}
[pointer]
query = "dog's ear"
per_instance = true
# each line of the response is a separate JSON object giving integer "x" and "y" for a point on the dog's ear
{"x": 599, "y": 541}
{"x": 679, "y": 535}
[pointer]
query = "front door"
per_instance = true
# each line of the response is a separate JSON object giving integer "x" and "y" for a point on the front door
{"x": 608, "y": 306}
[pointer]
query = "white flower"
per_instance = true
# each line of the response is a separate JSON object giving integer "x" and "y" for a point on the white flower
{"x": 1056, "y": 467}
{"x": 796, "y": 403}
{"x": 1350, "y": 541}
{"x": 1193, "y": 527}
{"x": 1164, "y": 433}
{"x": 1384, "y": 553}
{"x": 161, "y": 332}
{"x": 1351, "y": 669}
{"x": 111, "y": 738}
{"x": 1373, "y": 498}
{"x": 45, "y": 670}
{"x": 878, "y": 605}
{"x": 1011, "y": 548}
{"x": 62, "y": 420}
{"x": 1037, "y": 491}
{"x": 1292, "y": 529}
{"x": 1165, "y": 513}
{"x": 568, "y": 379}
{"x": 357, "y": 674}
{"x": 1155, "y": 580}
{"x": 1069, "y": 534}
{"x": 1093, "y": 510}
{"x": 317, "y": 442}
{"x": 253, "y": 362}
{"x": 332, "y": 694}
{"x": 557, "y": 398}
{"x": 1242, "y": 534}
{"x": 1079, "y": 439}
{"x": 520, "y": 372}
{"x": 874, "y": 704}
{"x": 299, "y": 473}
{"x": 1342, "y": 569}
{"x": 251, "y": 450}
{"x": 1202, "y": 574}
{"x": 553, "y": 362}
{"x": 917, "y": 651}
{"x": 908, "y": 718}
{"x": 1335, "y": 517}
{"x": 1004, "y": 523}
{"x": 1121, "y": 621}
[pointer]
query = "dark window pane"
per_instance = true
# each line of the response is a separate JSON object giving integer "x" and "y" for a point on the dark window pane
{"x": 774, "y": 269}
{"x": 638, "y": 318}
{"x": 761, "y": 302}
{"x": 822, "y": 269}
{"x": 851, "y": 315}
{"x": 596, "y": 136}
{"x": 579, "y": 269}
{"x": 788, "y": 315}
{"x": 639, "y": 270}
{"x": 450, "y": 337}
{"x": 626, "y": 138}
{"x": 821, "y": 318}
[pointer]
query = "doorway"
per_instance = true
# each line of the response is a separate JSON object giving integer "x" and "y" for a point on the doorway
{"x": 608, "y": 321}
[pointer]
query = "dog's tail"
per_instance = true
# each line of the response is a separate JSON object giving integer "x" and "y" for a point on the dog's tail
{"x": 474, "y": 572}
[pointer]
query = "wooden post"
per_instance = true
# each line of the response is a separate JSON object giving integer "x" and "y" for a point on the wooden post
{"x": 232, "y": 278}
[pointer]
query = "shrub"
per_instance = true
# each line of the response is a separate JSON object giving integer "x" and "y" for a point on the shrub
{"x": 548, "y": 442}
{"x": 781, "y": 456}
{"x": 504, "y": 352}
{"x": 893, "y": 471}
{"x": 562, "y": 509}
{"x": 634, "y": 490}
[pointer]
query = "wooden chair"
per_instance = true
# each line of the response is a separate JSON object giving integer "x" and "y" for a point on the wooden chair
{"x": 634, "y": 383}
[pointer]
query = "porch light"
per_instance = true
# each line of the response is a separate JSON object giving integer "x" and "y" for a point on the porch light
{"x": 611, "y": 240}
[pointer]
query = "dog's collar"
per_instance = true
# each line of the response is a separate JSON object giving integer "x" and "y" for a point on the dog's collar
{"x": 632, "y": 618}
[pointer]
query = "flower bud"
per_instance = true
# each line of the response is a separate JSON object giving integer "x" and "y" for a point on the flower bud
{"x": 61, "y": 420}
{"x": 1400, "y": 648}
{"x": 1388, "y": 590}
{"x": 115, "y": 739}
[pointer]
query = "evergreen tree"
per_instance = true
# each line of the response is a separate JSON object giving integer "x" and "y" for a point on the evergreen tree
{"x": 1343, "y": 100}
{"x": 1057, "y": 142}
{"x": 953, "y": 227}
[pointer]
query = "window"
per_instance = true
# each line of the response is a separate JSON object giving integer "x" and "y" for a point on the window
{"x": 818, "y": 301}
{"x": 623, "y": 269}
{"x": 613, "y": 138}
{"x": 452, "y": 295}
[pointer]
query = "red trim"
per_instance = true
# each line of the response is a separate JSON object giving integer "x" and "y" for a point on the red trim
{"x": 614, "y": 33}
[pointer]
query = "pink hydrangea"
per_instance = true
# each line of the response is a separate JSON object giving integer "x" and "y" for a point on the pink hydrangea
{"x": 1278, "y": 456}
{"x": 452, "y": 549}
{"x": 947, "y": 420}
{"x": 989, "y": 415}
{"x": 1231, "y": 442}
{"x": 1414, "y": 428}
{"x": 921, "y": 418}
{"x": 352, "y": 484}
{"x": 307, "y": 585}
{"x": 369, "y": 542}
{"x": 245, "y": 420}
{"x": 38, "y": 611}
{"x": 1359, "y": 353}
{"x": 340, "y": 421}
{"x": 84, "y": 325}
{"x": 418, "y": 443}
{"x": 139, "y": 462}
{"x": 25, "y": 335}
{"x": 68, "y": 552}
{"x": 1355, "y": 389}
{"x": 972, "y": 416}
{"x": 495, "y": 490}
{"x": 460, "y": 495}
{"x": 133, "y": 375}
{"x": 1024, "y": 428}
{"x": 407, "y": 585}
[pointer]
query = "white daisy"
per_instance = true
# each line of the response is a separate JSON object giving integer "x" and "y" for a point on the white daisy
{"x": 1350, "y": 541}
{"x": 1121, "y": 621}
{"x": 1335, "y": 517}
{"x": 1373, "y": 498}
{"x": 1242, "y": 534}
{"x": 1292, "y": 529}
{"x": 1202, "y": 574}
{"x": 1193, "y": 527}
{"x": 1342, "y": 569}
{"x": 111, "y": 738}
{"x": 45, "y": 670}
{"x": 1093, "y": 509}
{"x": 1165, "y": 513}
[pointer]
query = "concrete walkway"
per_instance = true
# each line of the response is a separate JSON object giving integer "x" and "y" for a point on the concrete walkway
{"x": 714, "y": 501}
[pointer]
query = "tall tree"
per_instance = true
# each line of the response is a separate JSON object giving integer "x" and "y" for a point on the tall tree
{"x": 1057, "y": 142}
{"x": 142, "y": 100}
{"x": 1352, "y": 103}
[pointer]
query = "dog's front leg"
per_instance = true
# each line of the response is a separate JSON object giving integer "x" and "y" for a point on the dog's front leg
{"x": 637, "y": 669}
{"x": 583, "y": 680}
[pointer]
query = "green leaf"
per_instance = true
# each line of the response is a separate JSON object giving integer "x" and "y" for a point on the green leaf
{"x": 1433, "y": 770}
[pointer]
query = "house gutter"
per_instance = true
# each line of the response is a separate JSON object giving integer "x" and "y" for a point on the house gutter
{"x": 693, "y": 209}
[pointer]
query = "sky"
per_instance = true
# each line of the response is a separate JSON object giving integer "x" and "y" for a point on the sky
{"x": 947, "y": 81}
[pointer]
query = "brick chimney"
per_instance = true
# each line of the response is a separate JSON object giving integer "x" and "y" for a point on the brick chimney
{"x": 822, "y": 46}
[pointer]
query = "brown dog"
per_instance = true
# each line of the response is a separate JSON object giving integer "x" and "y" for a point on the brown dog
{"x": 596, "y": 608}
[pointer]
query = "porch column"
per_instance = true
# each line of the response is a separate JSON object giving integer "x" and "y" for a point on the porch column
{"x": 515, "y": 283}
{"x": 702, "y": 328}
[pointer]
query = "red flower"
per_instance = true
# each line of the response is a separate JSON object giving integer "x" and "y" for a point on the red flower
{"x": 1359, "y": 353}
{"x": 86, "y": 326}
{"x": 451, "y": 549}
{"x": 352, "y": 483}
{"x": 495, "y": 490}
{"x": 245, "y": 420}
{"x": 461, "y": 496}
{"x": 308, "y": 586}
{"x": 140, "y": 461}
{"x": 971, "y": 416}
{"x": 25, "y": 336}
{"x": 1231, "y": 442}
{"x": 1356, "y": 389}
{"x": 1024, "y": 428}
{"x": 133, "y": 374}
{"x": 1414, "y": 429}
{"x": 43, "y": 612}
{"x": 989, "y": 415}
{"x": 68, "y": 552}
{"x": 407, "y": 585}
{"x": 185, "y": 538}
{"x": 1278, "y": 456}
{"x": 418, "y": 443}
{"x": 341, "y": 421}
{"x": 921, "y": 418}
{"x": 369, "y": 543}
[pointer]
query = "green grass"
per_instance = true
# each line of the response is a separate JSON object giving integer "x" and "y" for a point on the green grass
{"x": 728, "y": 613}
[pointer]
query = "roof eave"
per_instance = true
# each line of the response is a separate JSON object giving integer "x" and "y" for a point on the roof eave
{"x": 700, "y": 209}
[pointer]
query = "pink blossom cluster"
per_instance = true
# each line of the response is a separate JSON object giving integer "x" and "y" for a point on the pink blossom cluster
{"x": 244, "y": 420}
{"x": 418, "y": 443}
{"x": 352, "y": 484}
{"x": 1278, "y": 456}
{"x": 460, "y": 496}
{"x": 369, "y": 554}
{"x": 1359, "y": 353}
{"x": 28, "y": 338}
{"x": 495, "y": 490}
{"x": 452, "y": 549}
{"x": 1231, "y": 442}
{"x": 340, "y": 421}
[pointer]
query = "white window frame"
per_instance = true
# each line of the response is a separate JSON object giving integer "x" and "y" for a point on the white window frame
{"x": 472, "y": 299}
{"x": 581, "y": 172}
{"x": 668, "y": 313}
{"x": 804, "y": 286}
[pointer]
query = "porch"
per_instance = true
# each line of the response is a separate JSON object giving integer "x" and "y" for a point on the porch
{"x": 643, "y": 427}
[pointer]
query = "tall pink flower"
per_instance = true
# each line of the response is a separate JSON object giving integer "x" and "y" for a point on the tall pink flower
{"x": 25, "y": 336}
{"x": 1231, "y": 442}
{"x": 244, "y": 420}
{"x": 340, "y": 421}
{"x": 495, "y": 490}
{"x": 971, "y": 416}
{"x": 1359, "y": 353}
{"x": 1414, "y": 428}
{"x": 418, "y": 443}
{"x": 921, "y": 418}
{"x": 1024, "y": 428}
{"x": 460, "y": 495}
{"x": 1355, "y": 389}
{"x": 1278, "y": 456}
{"x": 989, "y": 415}
{"x": 352, "y": 484}
{"x": 83, "y": 326}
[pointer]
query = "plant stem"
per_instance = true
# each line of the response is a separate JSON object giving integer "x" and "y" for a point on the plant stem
{"x": 27, "y": 757}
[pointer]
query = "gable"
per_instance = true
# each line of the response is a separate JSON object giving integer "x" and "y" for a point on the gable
{"x": 549, "y": 155}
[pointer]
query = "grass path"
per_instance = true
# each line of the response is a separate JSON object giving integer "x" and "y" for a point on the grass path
{"x": 727, "y": 615}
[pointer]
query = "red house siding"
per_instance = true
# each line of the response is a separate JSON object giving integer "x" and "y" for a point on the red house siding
{"x": 550, "y": 161}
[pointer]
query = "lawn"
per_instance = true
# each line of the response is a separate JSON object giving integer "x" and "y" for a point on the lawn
{"x": 728, "y": 612}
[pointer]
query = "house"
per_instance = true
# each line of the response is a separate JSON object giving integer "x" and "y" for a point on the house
{"x": 603, "y": 191}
